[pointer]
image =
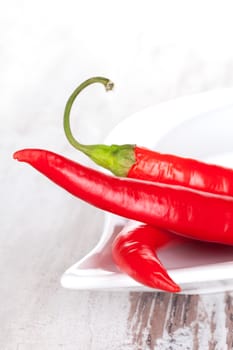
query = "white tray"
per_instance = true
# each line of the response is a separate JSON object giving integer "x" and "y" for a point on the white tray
{"x": 198, "y": 126}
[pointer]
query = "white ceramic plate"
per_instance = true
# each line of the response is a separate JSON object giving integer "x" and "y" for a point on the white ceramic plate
{"x": 198, "y": 126}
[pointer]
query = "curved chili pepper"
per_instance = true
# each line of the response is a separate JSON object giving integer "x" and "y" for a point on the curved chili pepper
{"x": 134, "y": 252}
{"x": 141, "y": 163}
{"x": 194, "y": 214}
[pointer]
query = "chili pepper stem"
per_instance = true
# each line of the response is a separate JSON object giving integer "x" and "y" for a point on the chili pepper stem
{"x": 116, "y": 158}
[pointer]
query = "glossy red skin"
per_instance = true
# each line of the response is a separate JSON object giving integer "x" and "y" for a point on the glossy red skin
{"x": 194, "y": 214}
{"x": 153, "y": 166}
{"x": 134, "y": 252}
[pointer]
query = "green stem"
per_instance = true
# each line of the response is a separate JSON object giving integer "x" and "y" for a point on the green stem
{"x": 66, "y": 121}
{"x": 116, "y": 158}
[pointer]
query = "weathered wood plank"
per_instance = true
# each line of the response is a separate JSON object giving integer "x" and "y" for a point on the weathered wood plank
{"x": 229, "y": 318}
{"x": 166, "y": 321}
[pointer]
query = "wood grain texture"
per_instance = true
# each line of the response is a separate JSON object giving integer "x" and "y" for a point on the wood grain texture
{"x": 229, "y": 319}
{"x": 166, "y": 321}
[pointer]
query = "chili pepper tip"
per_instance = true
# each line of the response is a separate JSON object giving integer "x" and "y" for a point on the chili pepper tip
{"x": 162, "y": 281}
{"x": 15, "y": 155}
{"x": 27, "y": 155}
{"x": 20, "y": 155}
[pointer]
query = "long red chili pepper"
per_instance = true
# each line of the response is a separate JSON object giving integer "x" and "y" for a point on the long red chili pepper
{"x": 134, "y": 252}
{"x": 141, "y": 163}
{"x": 194, "y": 214}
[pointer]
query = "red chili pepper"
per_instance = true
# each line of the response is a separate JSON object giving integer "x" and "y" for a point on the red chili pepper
{"x": 140, "y": 163}
{"x": 134, "y": 252}
{"x": 194, "y": 214}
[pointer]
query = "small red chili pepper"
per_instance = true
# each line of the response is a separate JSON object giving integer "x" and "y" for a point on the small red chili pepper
{"x": 141, "y": 163}
{"x": 134, "y": 252}
{"x": 194, "y": 214}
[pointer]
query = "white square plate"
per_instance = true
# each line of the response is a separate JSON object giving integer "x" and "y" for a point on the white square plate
{"x": 198, "y": 126}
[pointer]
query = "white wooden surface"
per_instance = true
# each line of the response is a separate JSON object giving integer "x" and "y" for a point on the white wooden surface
{"x": 153, "y": 52}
